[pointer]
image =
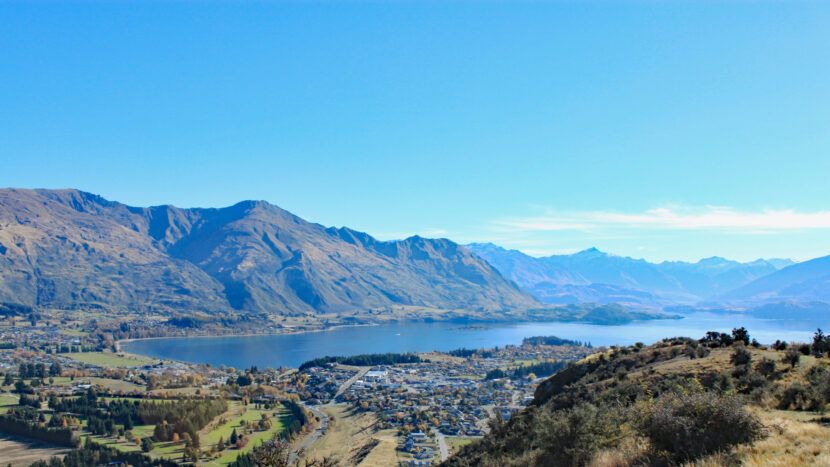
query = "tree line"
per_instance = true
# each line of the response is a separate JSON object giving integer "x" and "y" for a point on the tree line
{"x": 363, "y": 360}
{"x": 92, "y": 453}
{"x": 170, "y": 417}
{"x": 39, "y": 370}
{"x": 27, "y": 422}
{"x": 552, "y": 340}
{"x": 538, "y": 369}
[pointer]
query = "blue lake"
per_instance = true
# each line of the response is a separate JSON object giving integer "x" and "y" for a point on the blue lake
{"x": 293, "y": 349}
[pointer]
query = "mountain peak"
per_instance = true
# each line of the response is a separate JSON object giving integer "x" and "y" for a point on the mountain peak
{"x": 249, "y": 257}
{"x": 593, "y": 251}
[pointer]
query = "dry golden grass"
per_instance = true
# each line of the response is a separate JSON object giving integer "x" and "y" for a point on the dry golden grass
{"x": 791, "y": 442}
{"x": 20, "y": 452}
{"x": 346, "y": 436}
{"x": 794, "y": 438}
{"x": 630, "y": 449}
{"x": 385, "y": 453}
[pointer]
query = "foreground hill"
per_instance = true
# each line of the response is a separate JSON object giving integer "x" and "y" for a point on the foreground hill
{"x": 71, "y": 249}
{"x": 680, "y": 401}
{"x": 595, "y": 276}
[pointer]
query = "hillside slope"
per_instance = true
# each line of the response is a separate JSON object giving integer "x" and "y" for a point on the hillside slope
{"x": 676, "y": 402}
{"x": 70, "y": 249}
{"x": 807, "y": 282}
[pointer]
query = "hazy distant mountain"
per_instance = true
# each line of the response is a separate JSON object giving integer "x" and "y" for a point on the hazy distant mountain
{"x": 557, "y": 283}
{"x": 592, "y": 275}
{"x": 806, "y": 282}
{"x": 713, "y": 276}
{"x": 69, "y": 249}
{"x": 792, "y": 309}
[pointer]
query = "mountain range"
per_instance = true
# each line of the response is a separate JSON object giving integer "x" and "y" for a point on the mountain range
{"x": 595, "y": 276}
{"x": 68, "y": 249}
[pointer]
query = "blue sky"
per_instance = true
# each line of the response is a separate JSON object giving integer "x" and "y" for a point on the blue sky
{"x": 664, "y": 130}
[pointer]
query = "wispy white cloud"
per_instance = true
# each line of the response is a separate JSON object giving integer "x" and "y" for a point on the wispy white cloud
{"x": 719, "y": 218}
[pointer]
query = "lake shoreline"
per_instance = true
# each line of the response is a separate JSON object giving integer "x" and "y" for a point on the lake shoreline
{"x": 461, "y": 321}
{"x": 290, "y": 349}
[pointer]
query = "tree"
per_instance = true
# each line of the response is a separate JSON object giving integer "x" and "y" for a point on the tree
{"x": 821, "y": 344}
{"x": 740, "y": 334}
{"x": 244, "y": 380}
{"x": 55, "y": 369}
{"x": 234, "y": 437}
{"x": 272, "y": 453}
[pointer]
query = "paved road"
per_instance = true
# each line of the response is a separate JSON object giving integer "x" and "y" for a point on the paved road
{"x": 442, "y": 444}
{"x": 348, "y": 383}
{"x": 312, "y": 437}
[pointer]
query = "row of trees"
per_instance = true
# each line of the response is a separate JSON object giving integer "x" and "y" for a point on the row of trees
{"x": 170, "y": 417}
{"x": 364, "y": 360}
{"x": 26, "y": 421}
{"x": 92, "y": 453}
{"x": 552, "y": 340}
{"x": 39, "y": 370}
{"x": 536, "y": 369}
{"x": 466, "y": 353}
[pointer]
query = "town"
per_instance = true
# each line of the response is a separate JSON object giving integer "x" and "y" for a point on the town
{"x": 423, "y": 406}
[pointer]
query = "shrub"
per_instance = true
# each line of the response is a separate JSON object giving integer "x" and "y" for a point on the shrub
{"x": 796, "y": 397}
{"x": 766, "y": 367}
{"x": 779, "y": 345}
{"x": 804, "y": 349}
{"x": 688, "y": 427}
{"x": 572, "y": 436}
{"x": 740, "y": 356}
{"x": 792, "y": 356}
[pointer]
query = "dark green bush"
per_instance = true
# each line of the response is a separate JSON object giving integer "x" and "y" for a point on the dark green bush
{"x": 780, "y": 345}
{"x": 690, "y": 426}
{"x": 740, "y": 356}
{"x": 792, "y": 356}
{"x": 766, "y": 367}
{"x": 573, "y": 436}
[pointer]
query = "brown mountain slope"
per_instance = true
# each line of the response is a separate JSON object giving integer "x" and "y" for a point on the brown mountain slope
{"x": 66, "y": 248}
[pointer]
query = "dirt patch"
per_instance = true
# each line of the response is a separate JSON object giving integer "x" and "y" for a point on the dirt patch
{"x": 23, "y": 451}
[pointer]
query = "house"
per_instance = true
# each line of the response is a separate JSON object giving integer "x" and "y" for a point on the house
{"x": 425, "y": 453}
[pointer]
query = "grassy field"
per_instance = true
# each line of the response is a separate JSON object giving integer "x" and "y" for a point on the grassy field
{"x": 280, "y": 419}
{"x": 454, "y": 443}
{"x": 7, "y": 401}
{"x": 109, "y": 360}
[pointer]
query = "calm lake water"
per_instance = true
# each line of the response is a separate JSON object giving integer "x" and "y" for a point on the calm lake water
{"x": 293, "y": 349}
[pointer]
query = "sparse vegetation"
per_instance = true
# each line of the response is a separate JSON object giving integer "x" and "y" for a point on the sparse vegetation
{"x": 663, "y": 404}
